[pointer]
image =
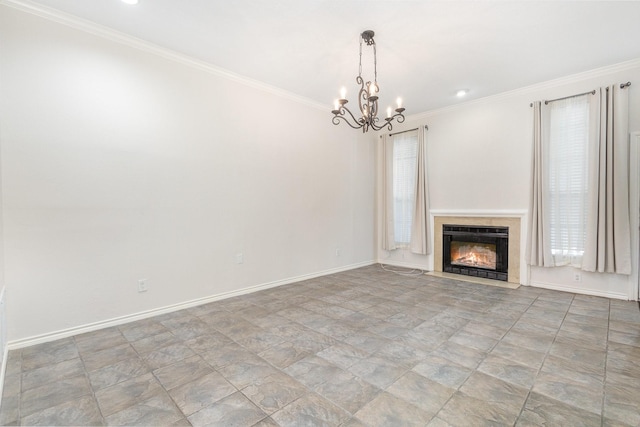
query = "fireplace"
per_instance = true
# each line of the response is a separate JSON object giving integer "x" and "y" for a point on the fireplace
{"x": 479, "y": 251}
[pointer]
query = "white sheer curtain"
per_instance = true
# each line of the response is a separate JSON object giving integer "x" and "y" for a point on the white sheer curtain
{"x": 388, "y": 235}
{"x": 405, "y": 147}
{"x": 566, "y": 145}
{"x": 608, "y": 241}
{"x": 405, "y": 194}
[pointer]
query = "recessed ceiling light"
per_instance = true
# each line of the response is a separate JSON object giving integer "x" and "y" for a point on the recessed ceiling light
{"x": 462, "y": 92}
{"x": 130, "y": 1}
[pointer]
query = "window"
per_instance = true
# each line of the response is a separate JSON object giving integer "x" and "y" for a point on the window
{"x": 568, "y": 148}
{"x": 405, "y": 149}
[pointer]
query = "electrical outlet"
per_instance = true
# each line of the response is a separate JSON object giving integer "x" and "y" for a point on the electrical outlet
{"x": 142, "y": 285}
{"x": 240, "y": 258}
{"x": 577, "y": 277}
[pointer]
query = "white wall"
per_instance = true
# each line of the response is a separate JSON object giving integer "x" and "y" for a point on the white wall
{"x": 479, "y": 159}
{"x": 119, "y": 164}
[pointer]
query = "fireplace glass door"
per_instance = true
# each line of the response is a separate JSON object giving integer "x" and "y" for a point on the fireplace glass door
{"x": 476, "y": 251}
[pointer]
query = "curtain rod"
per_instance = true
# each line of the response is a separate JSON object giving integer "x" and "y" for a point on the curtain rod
{"x": 408, "y": 130}
{"x": 593, "y": 92}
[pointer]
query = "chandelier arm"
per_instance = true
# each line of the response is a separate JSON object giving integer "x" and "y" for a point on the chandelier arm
{"x": 341, "y": 115}
{"x": 336, "y": 121}
{"x": 387, "y": 124}
{"x": 360, "y": 121}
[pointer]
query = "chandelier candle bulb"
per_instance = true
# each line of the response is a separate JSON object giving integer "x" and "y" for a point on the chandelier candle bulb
{"x": 399, "y": 101}
{"x": 343, "y": 93}
{"x": 388, "y": 111}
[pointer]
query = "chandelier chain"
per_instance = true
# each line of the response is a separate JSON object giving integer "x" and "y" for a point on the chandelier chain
{"x": 375, "y": 65}
{"x": 360, "y": 63}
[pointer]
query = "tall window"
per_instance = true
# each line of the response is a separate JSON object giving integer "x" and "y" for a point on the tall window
{"x": 405, "y": 149}
{"x": 568, "y": 148}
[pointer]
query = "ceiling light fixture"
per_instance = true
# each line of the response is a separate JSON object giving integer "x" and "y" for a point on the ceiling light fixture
{"x": 130, "y": 1}
{"x": 462, "y": 92}
{"x": 367, "y": 98}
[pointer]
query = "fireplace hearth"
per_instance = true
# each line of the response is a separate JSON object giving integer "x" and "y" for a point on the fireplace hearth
{"x": 478, "y": 251}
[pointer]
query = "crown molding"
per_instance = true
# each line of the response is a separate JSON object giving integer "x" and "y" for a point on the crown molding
{"x": 139, "y": 44}
{"x": 549, "y": 84}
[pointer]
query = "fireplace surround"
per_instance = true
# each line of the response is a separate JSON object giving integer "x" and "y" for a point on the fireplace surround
{"x": 478, "y": 251}
{"x": 514, "y": 220}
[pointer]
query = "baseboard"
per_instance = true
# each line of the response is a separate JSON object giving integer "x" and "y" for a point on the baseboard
{"x": 574, "y": 290}
{"x": 26, "y": 342}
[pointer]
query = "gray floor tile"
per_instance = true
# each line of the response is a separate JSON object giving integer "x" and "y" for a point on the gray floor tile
{"x": 202, "y": 392}
{"x": 463, "y": 411}
{"x": 50, "y": 373}
{"x": 509, "y": 371}
{"x": 621, "y": 403}
{"x": 389, "y": 410}
{"x": 540, "y": 410}
{"x": 79, "y": 412}
{"x": 523, "y": 356}
{"x": 42, "y": 355}
{"x": 167, "y": 355}
{"x": 461, "y": 354}
{"x": 142, "y": 329}
{"x": 310, "y": 410}
{"x": 233, "y": 410}
{"x": 312, "y": 371}
{"x": 53, "y": 394}
{"x": 127, "y": 393}
{"x": 247, "y": 371}
{"x": 118, "y": 372}
{"x": 570, "y": 392}
{"x": 422, "y": 392}
{"x": 157, "y": 410}
{"x": 108, "y": 356}
{"x": 182, "y": 372}
{"x": 343, "y": 355}
{"x": 443, "y": 371}
{"x": 377, "y": 370}
{"x": 147, "y": 344}
{"x": 273, "y": 392}
{"x": 347, "y": 391}
{"x": 500, "y": 394}
{"x": 284, "y": 354}
{"x": 99, "y": 340}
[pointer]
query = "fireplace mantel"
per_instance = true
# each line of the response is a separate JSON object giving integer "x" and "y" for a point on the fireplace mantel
{"x": 513, "y": 220}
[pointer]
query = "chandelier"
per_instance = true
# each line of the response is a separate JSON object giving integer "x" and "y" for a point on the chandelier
{"x": 367, "y": 99}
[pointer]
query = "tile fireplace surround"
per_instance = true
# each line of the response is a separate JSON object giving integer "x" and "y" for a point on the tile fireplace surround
{"x": 512, "y": 222}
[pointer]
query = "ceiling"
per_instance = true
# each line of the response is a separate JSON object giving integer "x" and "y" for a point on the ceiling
{"x": 427, "y": 50}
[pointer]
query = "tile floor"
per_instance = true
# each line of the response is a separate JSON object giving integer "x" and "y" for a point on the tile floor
{"x": 363, "y": 347}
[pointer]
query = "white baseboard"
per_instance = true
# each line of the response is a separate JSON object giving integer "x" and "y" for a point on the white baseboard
{"x": 26, "y": 342}
{"x": 576, "y": 290}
